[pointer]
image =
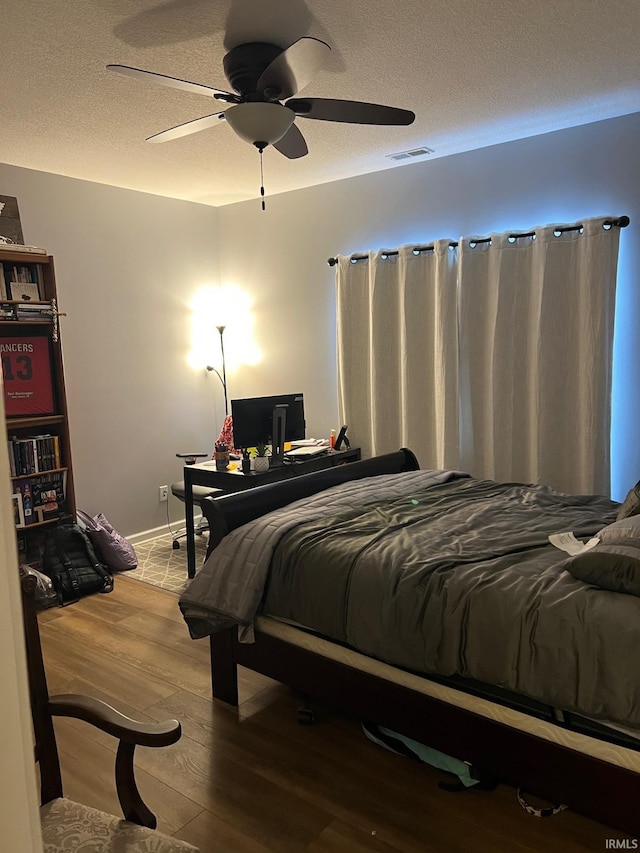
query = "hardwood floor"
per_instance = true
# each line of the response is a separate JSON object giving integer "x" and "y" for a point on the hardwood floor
{"x": 251, "y": 779}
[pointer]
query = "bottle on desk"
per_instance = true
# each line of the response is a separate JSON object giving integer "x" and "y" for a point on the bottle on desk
{"x": 332, "y": 439}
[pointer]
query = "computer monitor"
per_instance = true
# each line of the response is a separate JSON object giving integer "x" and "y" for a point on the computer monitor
{"x": 268, "y": 420}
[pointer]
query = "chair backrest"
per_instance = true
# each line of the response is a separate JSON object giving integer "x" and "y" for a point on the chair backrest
{"x": 46, "y": 751}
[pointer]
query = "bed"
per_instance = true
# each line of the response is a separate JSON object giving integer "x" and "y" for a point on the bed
{"x": 433, "y": 604}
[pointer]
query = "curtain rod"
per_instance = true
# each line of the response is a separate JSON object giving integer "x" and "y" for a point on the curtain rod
{"x": 621, "y": 222}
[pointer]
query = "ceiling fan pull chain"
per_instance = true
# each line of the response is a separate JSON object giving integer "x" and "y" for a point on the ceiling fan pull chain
{"x": 262, "y": 179}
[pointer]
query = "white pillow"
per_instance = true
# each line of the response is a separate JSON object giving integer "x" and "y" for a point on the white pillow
{"x": 624, "y": 529}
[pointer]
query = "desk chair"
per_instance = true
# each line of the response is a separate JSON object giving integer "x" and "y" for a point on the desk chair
{"x": 199, "y": 494}
{"x": 67, "y": 825}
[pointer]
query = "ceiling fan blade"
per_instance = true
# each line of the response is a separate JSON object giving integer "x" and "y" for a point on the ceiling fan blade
{"x": 173, "y": 82}
{"x": 352, "y": 112}
{"x": 290, "y": 72}
{"x": 188, "y": 127}
{"x": 292, "y": 144}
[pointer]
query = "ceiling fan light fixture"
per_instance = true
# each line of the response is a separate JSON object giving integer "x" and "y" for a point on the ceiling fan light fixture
{"x": 258, "y": 122}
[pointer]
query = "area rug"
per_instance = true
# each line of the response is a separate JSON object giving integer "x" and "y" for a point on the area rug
{"x": 160, "y": 565}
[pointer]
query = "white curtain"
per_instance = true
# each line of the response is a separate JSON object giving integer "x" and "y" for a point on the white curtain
{"x": 536, "y": 345}
{"x": 398, "y": 352}
{"x": 494, "y": 357}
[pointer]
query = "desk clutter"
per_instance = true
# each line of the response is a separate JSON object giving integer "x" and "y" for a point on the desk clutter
{"x": 208, "y": 477}
{"x": 307, "y": 447}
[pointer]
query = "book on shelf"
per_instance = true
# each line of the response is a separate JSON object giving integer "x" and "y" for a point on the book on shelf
{"x": 18, "y": 511}
{"x": 34, "y": 455}
{"x": 49, "y": 495}
{"x": 19, "y": 247}
{"x": 23, "y": 273}
{"x": 24, "y": 489}
{"x": 42, "y": 496}
{"x": 29, "y": 312}
{"x": 24, "y": 291}
{"x": 14, "y": 275}
{"x": 32, "y": 311}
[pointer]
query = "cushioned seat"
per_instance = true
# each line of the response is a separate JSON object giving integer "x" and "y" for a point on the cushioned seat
{"x": 69, "y": 826}
{"x": 199, "y": 492}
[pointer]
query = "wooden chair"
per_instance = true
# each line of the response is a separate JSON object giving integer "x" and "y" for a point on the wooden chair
{"x": 67, "y": 825}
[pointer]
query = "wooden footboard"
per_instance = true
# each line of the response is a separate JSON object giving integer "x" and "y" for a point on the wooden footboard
{"x": 587, "y": 785}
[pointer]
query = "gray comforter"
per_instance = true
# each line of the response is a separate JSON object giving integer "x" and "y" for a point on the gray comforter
{"x": 229, "y": 587}
{"x": 444, "y": 575}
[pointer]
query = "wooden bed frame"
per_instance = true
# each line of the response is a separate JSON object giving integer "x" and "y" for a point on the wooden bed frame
{"x": 587, "y": 785}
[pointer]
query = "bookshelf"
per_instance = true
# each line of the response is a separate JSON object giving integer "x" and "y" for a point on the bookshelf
{"x": 37, "y": 427}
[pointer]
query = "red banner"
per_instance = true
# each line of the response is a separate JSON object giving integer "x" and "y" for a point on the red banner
{"x": 26, "y": 373}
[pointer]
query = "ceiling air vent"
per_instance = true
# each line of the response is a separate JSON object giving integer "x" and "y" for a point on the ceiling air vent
{"x": 414, "y": 152}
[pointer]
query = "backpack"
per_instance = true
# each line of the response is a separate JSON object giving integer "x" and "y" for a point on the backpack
{"x": 71, "y": 563}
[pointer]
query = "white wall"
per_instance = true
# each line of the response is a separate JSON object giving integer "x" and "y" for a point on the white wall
{"x": 127, "y": 265}
{"x": 19, "y": 815}
{"x": 281, "y": 255}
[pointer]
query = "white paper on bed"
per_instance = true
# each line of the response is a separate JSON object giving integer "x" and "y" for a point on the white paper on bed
{"x": 229, "y": 587}
{"x": 568, "y": 543}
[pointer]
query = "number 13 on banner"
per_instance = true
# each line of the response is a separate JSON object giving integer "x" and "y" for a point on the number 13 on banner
{"x": 27, "y": 378}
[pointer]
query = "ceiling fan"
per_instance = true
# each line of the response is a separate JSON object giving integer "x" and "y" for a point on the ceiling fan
{"x": 263, "y": 76}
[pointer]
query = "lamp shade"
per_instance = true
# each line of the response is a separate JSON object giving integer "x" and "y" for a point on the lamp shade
{"x": 260, "y": 122}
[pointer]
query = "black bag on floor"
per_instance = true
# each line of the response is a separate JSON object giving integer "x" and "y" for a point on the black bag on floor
{"x": 71, "y": 563}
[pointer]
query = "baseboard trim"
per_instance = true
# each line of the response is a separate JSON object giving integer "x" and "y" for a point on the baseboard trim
{"x": 159, "y": 532}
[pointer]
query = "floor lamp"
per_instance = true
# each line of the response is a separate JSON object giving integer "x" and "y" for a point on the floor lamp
{"x": 223, "y": 377}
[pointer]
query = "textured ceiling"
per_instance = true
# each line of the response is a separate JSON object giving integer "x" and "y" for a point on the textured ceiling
{"x": 475, "y": 72}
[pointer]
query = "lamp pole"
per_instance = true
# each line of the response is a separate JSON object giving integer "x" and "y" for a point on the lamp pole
{"x": 224, "y": 370}
{"x": 223, "y": 378}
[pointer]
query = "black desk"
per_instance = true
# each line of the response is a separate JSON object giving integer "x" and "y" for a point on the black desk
{"x": 206, "y": 474}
